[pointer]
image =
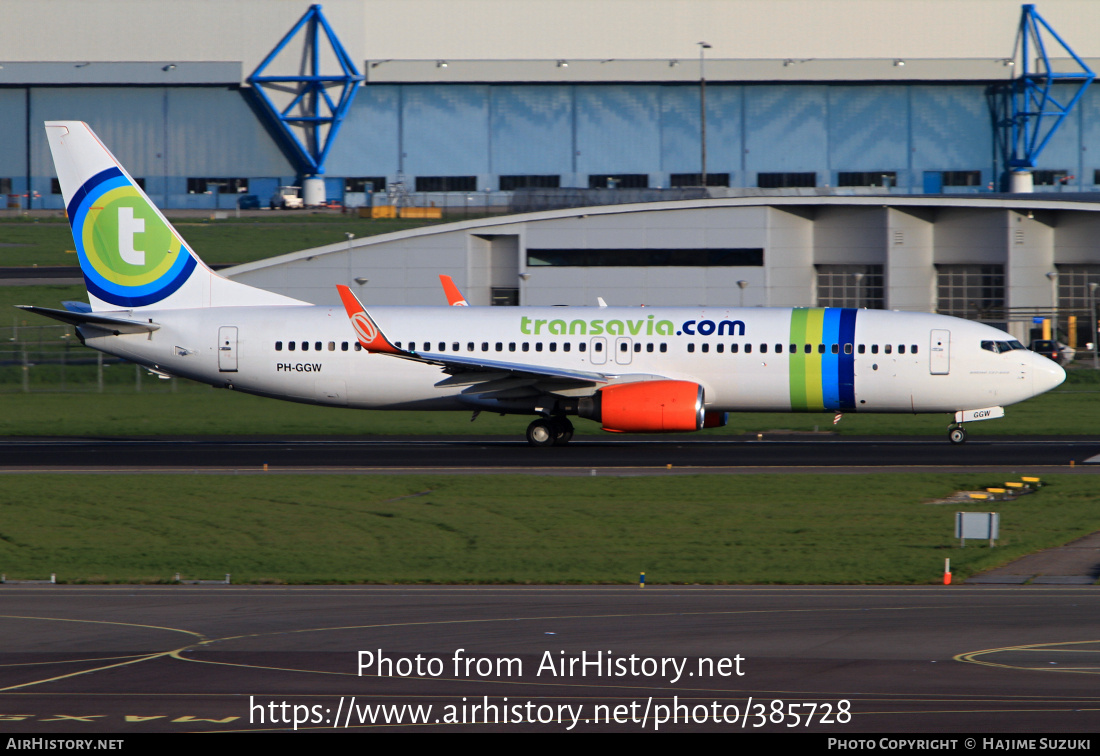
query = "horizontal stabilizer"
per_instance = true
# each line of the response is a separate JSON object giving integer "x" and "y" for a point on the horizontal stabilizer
{"x": 117, "y": 325}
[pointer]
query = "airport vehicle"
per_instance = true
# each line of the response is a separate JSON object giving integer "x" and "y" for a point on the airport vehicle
{"x": 633, "y": 369}
{"x": 287, "y": 198}
{"x": 1054, "y": 350}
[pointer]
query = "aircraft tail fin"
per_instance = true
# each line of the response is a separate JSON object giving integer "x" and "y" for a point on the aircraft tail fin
{"x": 130, "y": 254}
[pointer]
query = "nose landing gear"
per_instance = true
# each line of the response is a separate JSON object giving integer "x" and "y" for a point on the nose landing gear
{"x": 956, "y": 434}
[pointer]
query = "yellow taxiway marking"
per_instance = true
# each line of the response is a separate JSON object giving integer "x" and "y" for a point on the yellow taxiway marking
{"x": 972, "y": 657}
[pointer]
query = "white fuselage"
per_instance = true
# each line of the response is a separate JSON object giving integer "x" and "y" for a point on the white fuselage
{"x": 742, "y": 357}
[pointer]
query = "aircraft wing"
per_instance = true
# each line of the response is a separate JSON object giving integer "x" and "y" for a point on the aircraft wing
{"x": 453, "y": 363}
{"x": 373, "y": 340}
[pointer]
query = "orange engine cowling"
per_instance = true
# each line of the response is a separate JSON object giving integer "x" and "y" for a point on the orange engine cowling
{"x": 648, "y": 407}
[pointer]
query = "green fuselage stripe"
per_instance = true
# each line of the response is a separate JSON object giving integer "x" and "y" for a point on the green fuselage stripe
{"x": 805, "y": 369}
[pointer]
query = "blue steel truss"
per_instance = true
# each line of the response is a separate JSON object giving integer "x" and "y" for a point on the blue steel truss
{"x": 312, "y": 120}
{"x": 1026, "y": 111}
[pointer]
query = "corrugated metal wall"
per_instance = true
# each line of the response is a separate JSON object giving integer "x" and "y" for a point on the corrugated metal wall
{"x": 167, "y": 135}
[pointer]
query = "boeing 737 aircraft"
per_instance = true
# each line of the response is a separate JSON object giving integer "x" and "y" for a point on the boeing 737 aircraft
{"x": 631, "y": 369}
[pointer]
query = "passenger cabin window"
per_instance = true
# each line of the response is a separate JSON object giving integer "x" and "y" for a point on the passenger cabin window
{"x": 344, "y": 346}
{"x": 358, "y": 347}
{"x": 290, "y": 345}
{"x": 278, "y": 346}
{"x": 748, "y": 348}
{"x": 691, "y": 347}
{"x": 887, "y": 348}
{"x": 874, "y": 349}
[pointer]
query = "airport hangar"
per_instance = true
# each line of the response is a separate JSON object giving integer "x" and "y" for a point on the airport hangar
{"x": 999, "y": 260}
{"x": 814, "y": 108}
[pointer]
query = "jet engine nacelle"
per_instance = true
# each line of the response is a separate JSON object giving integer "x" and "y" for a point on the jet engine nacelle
{"x": 647, "y": 407}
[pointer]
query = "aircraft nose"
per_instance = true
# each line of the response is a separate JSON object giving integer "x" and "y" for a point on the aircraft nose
{"x": 1047, "y": 374}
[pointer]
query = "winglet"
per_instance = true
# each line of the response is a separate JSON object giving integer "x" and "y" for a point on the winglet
{"x": 370, "y": 335}
{"x": 454, "y": 296}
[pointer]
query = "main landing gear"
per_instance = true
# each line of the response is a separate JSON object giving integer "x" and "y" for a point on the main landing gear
{"x": 956, "y": 434}
{"x": 550, "y": 431}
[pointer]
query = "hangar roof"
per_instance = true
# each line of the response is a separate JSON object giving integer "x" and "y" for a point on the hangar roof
{"x": 527, "y": 40}
{"x": 1083, "y": 203}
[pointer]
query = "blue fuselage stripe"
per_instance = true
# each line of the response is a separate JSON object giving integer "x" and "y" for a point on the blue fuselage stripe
{"x": 846, "y": 365}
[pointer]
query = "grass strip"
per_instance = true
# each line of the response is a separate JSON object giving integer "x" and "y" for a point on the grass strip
{"x": 195, "y": 409}
{"x": 757, "y": 529}
{"x": 48, "y": 241}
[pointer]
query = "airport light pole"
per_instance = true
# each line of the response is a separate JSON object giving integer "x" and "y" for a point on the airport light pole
{"x": 858, "y": 275}
{"x": 1052, "y": 276}
{"x": 703, "y": 47}
{"x": 1092, "y": 314}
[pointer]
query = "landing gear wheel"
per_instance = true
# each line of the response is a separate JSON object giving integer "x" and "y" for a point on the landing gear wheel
{"x": 956, "y": 435}
{"x": 541, "y": 433}
{"x": 563, "y": 431}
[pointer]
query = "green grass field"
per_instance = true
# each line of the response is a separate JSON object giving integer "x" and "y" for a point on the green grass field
{"x": 199, "y": 410}
{"x": 517, "y": 529}
{"x": 45, "y": 241}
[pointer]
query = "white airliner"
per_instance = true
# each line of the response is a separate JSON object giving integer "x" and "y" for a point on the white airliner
{"x": 632, "y": 369}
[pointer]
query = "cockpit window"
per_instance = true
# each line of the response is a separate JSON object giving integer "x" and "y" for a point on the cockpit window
{"x": 997, "y": 347}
